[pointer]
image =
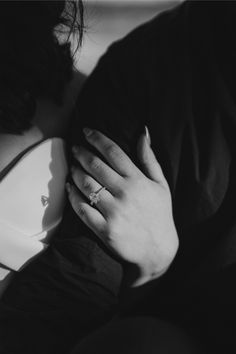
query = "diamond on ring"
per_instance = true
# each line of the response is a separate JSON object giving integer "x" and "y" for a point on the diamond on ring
{"x": 94, "y": 197}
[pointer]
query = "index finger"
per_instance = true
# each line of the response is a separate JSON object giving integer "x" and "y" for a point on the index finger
{"x": 114, "y": 155}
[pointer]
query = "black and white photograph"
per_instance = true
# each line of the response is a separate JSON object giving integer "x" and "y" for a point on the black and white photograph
{"x": 117, "y": 176}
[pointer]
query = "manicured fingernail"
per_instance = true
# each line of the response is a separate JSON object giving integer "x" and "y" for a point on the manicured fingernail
{"x": 147, "y": 135}
{"x": 68, "y": 187}
{"x": 75, "y": 149}
{"x": 87, "y": 131}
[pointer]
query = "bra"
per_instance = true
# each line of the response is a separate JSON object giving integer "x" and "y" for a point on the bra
{"x": 32, "y": 196}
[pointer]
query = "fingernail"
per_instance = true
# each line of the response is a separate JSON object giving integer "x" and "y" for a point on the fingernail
{"x": 75, "y": 149}
{"x": 87, "y": 131}
{"x": 68, "y": 187}
{"x": 147, "y": 135}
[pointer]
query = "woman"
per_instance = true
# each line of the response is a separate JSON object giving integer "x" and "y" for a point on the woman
{"x": 62, "y": 292}
{"x": 38, "y": 91}
{"x": 40, "y": 285}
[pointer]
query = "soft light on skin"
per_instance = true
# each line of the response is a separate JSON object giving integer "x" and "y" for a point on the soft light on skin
{"x": 49, "y": 121}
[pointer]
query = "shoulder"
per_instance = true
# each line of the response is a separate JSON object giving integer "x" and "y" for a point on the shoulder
{"x": 164, "y": 32}
{"x": 132, "y": 64}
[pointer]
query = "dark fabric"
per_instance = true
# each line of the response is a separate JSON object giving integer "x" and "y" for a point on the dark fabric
{"x": 62, "y": 296}
{"x": 138, "y": 335}
{"x": 174, "y": 74}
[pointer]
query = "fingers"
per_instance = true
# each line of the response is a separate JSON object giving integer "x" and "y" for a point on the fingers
{"x": 89, "y": 215}
{"x": 113, "y": 154}
{"x": 100, "y": 171}
{"x": 87, "y": 185}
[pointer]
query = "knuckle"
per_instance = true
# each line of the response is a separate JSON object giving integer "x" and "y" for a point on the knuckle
{"x": 132, "y": 188}
{"x": 80, "y": 210}
{"x": 94, "y": 163}
{"x": 123, "y": 191}
{"x": 87, "y": 185}
{"x": 95, "y": 136}
{"x": 111, "y": 150}
{"x": 120, "y": 191}
{"x": 122, "y": 194}
{"x": 136, "y": 184}
{"x": 114, "y": 210}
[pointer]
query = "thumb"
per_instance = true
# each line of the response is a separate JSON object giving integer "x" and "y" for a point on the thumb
{"x": 147, "y": 158}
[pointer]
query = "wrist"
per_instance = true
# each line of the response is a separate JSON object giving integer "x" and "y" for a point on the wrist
{"x": 139, "y": 274}
{"x": 146, "y": 276}
{"x": 155, "y": 264}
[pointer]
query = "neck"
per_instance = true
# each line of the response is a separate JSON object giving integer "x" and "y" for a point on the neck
{"x": 49, "y": 121}
{"x": 11, "y": 145}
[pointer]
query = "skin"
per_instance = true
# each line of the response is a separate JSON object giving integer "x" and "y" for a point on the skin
{"x": 50, "y": 120}
{"x": 134, "y": 214}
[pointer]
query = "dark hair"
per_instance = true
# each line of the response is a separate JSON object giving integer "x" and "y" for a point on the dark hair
{"x": 36, "y": 59}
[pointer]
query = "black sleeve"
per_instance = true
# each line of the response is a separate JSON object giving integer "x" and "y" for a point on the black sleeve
{"x": 114, "y": 97}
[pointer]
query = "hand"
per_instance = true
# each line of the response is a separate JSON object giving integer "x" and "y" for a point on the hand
{"x": 133, "y": 216}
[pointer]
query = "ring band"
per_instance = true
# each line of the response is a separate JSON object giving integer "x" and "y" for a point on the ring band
{"x": 94, "y": 196}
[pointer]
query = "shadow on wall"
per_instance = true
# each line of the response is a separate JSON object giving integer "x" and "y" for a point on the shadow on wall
{"x": 107, "y": 21}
